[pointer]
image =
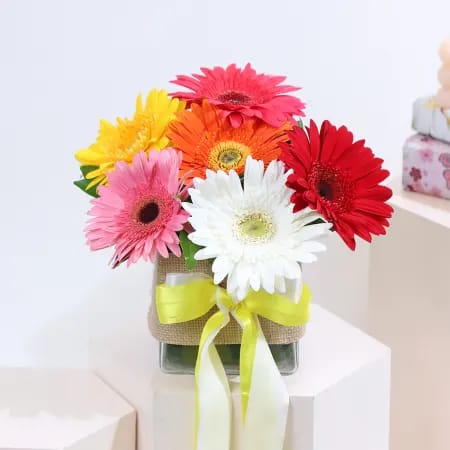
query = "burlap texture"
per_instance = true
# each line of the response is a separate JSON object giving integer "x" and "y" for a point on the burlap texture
{"x": 188, "y": 333}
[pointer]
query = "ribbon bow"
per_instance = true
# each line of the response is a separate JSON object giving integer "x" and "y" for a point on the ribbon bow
{"x": 264, "y": 398}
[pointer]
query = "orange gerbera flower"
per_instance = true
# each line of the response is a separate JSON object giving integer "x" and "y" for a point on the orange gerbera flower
{"x": 210, "y": 142}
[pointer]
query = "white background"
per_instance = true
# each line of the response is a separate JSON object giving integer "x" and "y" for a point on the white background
{"x": 65, "y": 64}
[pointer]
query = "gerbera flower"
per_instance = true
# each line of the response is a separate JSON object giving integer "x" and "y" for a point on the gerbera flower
{"x": 242, "y": 93}
{"x": 138, "y": 212}
{"x": 209, "y": 142}
{"x": 255, "y": 238}
{"x": 146, "y": 130}
{"x": 338, "y": 178}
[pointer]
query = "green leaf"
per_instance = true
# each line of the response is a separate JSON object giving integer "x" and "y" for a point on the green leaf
{"x": 300, "y": 123}
{"x": 83, "y": 184}
{"x": 86, "y": 169}
{"x": 189, "y": 249}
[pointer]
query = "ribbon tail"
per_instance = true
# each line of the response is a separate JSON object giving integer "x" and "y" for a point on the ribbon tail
{"x": 268, "y": 400}
{"x": 249, "y": 324}
{"x": 213, "y": 399}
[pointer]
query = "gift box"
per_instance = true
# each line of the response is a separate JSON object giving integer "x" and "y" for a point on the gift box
{"x": 426, "y": 166}
{"x": 430, "y": 119}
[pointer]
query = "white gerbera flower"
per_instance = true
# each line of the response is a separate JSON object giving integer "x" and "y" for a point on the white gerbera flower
{"x": 252, "y": 233}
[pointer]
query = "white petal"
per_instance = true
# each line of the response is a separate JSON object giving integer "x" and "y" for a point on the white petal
{"x": 232, "y": 284}
{"x": 241, "y": 292}
{"x": 313, "y": 231}
{"x": 291, "y": 269}
{"x": 280, "y": 284}
{"x": 198, "y": 239}
{"x": 255, "y": 280}
{"x": 302, "y": 219}
{"x": 253, "y": 174}
{"x": 235, "y": 187}
{"x": 207, "y": 253}
{"x": 294, "y": 289}
{"x": 222, "y": 265}
{"x": 312, "y": 246}
{"x": 268, "y": 284}
{"x": 307, "y": 257}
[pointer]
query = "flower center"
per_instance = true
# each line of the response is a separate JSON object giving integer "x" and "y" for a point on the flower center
{"x": 325, "y": 190}
{"x": 148, "y": 213}
{"x": 255, "y": 227}
{"x": 228, "y": 155}
{"x": 235, "y": 97}
{"x": 334, "y": 186}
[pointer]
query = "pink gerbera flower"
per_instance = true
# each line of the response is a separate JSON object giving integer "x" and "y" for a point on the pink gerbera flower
{"x": 242, "y": 93}
{"x": 138, "y": 211}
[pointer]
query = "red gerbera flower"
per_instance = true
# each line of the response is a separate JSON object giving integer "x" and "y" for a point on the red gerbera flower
{"x": 340, "y": 179}
{"x": 242, "y": 93}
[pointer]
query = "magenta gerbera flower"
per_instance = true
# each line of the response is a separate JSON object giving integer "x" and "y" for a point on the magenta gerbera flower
{"x": 242, "y": 93}
{"x": 138, "y": 211}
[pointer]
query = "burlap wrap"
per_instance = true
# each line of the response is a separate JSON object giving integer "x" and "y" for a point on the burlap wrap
{"x": 188, "y": 333}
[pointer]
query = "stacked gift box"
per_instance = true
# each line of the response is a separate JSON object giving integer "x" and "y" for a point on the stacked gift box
{"x": 426, "y": 155}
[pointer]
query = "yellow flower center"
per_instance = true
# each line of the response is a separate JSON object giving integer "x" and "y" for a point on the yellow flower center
{"x": 228, "y": 155}
{"x": 255, "y": 227}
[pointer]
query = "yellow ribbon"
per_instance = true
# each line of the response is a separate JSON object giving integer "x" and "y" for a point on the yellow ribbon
{"x": 193, "y": 299}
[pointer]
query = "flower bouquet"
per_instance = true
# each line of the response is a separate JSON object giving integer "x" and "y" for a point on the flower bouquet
{"x": 228, "y": 192}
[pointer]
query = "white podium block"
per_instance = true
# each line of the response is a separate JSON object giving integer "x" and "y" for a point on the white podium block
{"x": 339, "y": 396}
{"x": 409, "y": 310}
{"x": 420, "y": 206}
{"x": 62, "y": 409}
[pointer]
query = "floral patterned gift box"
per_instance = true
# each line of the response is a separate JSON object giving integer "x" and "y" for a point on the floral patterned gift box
{"x": 426, "y": 166}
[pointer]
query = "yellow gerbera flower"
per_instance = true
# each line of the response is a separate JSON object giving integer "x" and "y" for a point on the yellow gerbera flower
{"x": 146, "y": 130}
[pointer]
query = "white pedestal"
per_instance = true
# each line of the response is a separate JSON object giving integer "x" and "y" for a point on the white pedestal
{"x": 409, "y": 310}
{"x": 339, "y": 397}
{"x": 62, "y": 409}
